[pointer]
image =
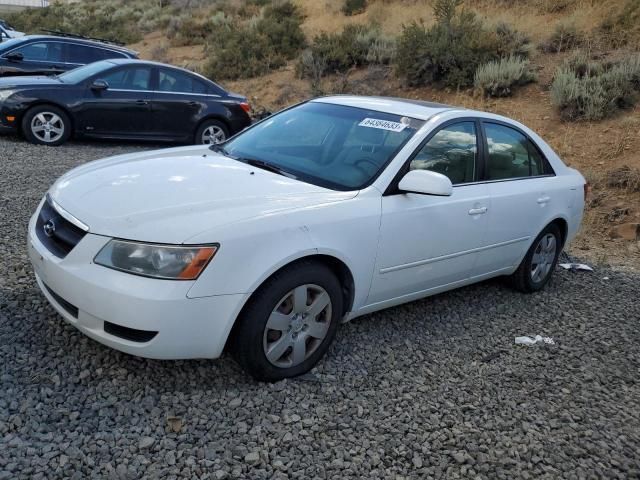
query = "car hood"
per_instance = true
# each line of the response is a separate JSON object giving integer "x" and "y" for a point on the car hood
{"x": 168, "y": 197}
{"x": 27, "y": 81}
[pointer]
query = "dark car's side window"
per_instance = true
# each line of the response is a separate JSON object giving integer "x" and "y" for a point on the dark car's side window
{"x": 83, "y": 54}
{"x": 134, "y": 78}
{"x": 452, "y": 151}
{"x": 41, "y": 51}
{"x": 511, "y": 154}
{"x": 175, "y": 81}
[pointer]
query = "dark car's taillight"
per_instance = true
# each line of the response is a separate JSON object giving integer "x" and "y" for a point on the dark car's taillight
{"x": 246, "y": 107}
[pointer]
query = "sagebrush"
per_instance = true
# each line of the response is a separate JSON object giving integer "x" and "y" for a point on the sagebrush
{"x": 499, "y": 78}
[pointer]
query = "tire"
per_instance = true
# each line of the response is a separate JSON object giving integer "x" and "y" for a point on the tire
{"x": 272, "y": 339}
{"x": 211, "y": 132}
{"x": 46, "y": 125}
{"x": 540, "y": 261}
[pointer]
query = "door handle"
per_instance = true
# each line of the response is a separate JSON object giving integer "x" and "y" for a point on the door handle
{"x": 544, "y": 199}
{"x": 478, "y": 211}
{"x": 142, "y": 102}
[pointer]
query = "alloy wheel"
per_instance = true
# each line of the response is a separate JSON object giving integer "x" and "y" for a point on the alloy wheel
{"x": 47, "y": 127}
{"x": 297, "y": 326}
{"x": 213, "y": 134}
{"x": 543, "y": 257}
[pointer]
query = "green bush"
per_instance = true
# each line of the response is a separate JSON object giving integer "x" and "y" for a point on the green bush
{"x": 499, "y": 78}
{"x": 565, "y": 36}
{"x": 253, "y": 48}
{"x": 587, "y": 90}
{"x": 355, "y": 46}
{"x": 511, "y": 42}
{"x": 353, "y": 7}
{"x": 449, "y": 52}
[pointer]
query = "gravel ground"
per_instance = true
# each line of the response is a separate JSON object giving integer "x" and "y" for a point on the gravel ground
{"x": 433, "y": 389}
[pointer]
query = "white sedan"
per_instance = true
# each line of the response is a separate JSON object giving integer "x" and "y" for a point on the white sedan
{"x": 326, "y": 211}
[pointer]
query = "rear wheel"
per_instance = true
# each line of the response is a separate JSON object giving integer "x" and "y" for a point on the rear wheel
{"x": 46, "y": 125}
{"x": 211, "y": 132}
{"x": 538, "y": 264}
{"x": 289, "y": 323}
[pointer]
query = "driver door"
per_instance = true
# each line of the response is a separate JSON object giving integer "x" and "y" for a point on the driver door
{"x": 429, "y": 243}
{"x": 124, "y": 108}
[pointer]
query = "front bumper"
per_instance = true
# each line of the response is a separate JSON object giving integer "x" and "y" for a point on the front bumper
{"x": 88, "y": 295}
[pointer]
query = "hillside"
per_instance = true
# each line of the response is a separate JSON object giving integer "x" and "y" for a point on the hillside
{"x": 223, "y": 40}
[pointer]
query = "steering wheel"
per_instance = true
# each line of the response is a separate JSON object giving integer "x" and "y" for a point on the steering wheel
{"x": 366, "y": 161}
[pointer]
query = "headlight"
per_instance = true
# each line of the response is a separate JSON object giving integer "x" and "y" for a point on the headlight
{"x": 158, "y": 261}
{"x": 4, "y": 94}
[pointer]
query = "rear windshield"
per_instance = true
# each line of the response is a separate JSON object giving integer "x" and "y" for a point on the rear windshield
{"x": 335, "y": 146}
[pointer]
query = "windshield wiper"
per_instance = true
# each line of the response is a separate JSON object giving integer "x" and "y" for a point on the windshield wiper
{"x": 266, "y": 166}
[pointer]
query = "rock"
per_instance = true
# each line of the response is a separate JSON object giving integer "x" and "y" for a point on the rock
{"x": 626, "y": 231}
{"x": 146, "y": 442}
{"x": 252, "y": 458}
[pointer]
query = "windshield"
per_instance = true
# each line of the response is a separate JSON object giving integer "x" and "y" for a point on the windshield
{"x": 82, "y": 73}
{"x": 335, "y": 146}
{"x": 9, "y": 44}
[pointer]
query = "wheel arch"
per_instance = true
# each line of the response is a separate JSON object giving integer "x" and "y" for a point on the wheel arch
{"x": 213, "y": 116}
{"x": 336, "y": 265}
{"x": 563, "y": 225}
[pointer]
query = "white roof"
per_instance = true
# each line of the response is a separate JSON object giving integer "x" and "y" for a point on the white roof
{"x": 398, "y": 106}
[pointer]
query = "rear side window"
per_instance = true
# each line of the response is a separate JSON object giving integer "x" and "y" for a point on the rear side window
{"x": 41, "y": 51}
{"x": 84, "y": 54}
{"x": 174, "y": 81}
{"x": 452, "y": 151}
{"x": 511, "y": 154}
{"x": 133, "y": 78}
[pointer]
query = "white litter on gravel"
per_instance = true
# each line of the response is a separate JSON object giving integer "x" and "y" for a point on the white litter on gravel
{"x": 576, "y": 266}
{"x": 533, "y": 340}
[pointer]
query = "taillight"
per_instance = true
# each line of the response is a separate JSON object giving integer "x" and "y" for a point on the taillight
{"x": 586, "y": 192}
{"x": 245, "y": 106}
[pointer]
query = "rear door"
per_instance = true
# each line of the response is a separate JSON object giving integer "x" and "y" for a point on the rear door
{"x": 521, "y": 185}
{"x": 179, "y": 103}
{"x": 124, "y": 108}
{"x": 430, "y": 242}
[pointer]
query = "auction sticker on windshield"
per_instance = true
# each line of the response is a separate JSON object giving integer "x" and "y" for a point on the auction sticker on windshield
{"x": 382, "y": 124}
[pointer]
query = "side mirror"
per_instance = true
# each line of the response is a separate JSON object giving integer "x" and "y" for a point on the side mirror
{"x": 99, "y": 85}
{"x": 426, "y": 182}
{"x": 15, "y": 57}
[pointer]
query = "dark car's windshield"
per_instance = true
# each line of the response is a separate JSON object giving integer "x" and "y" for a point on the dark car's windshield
{"x": 9, "y": 44}
{"x": 335, "y": 146}
{"x": 82, "y": 73}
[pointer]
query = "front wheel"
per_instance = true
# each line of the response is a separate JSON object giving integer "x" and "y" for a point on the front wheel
{"x": 538, "y": 264}
{"x": 46, "y": 125}
{"x": 289, "y": 322}
{"x": 211, "y": 132}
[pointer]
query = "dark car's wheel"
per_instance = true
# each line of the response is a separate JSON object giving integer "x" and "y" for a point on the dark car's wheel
{"x": 46, "y": 125}
{"x": 211, "y": 132}
{"x": 538, "y": 264}
{"x": 289, "y": 322}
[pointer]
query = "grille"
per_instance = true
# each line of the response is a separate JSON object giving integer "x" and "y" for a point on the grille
{"x": 55, "y": 232}
{"x": 70, "y": 309}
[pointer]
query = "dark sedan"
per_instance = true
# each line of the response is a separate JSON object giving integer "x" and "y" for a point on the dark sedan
{"x": 121, "y": 99}
{"x": 52, "y": 54}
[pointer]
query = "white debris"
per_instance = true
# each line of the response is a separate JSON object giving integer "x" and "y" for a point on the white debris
{"x": 534, "y": 340}
{"x": 576, "y": 266}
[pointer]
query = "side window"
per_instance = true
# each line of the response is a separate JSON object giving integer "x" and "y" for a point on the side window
{"x": 180, "y": 82}
{"x": 511, "y": 154}
{"x": 452, "y": 151}
{"x": 41, "y": 51}
{"x": 134, "y": 78}
{"x": 83, "y": 54}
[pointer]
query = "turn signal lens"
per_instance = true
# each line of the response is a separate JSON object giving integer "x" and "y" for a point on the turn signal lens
{"x": 246, "y": 107}
{"x": 169, "y": 262}
{"x": 11, "y": 118}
